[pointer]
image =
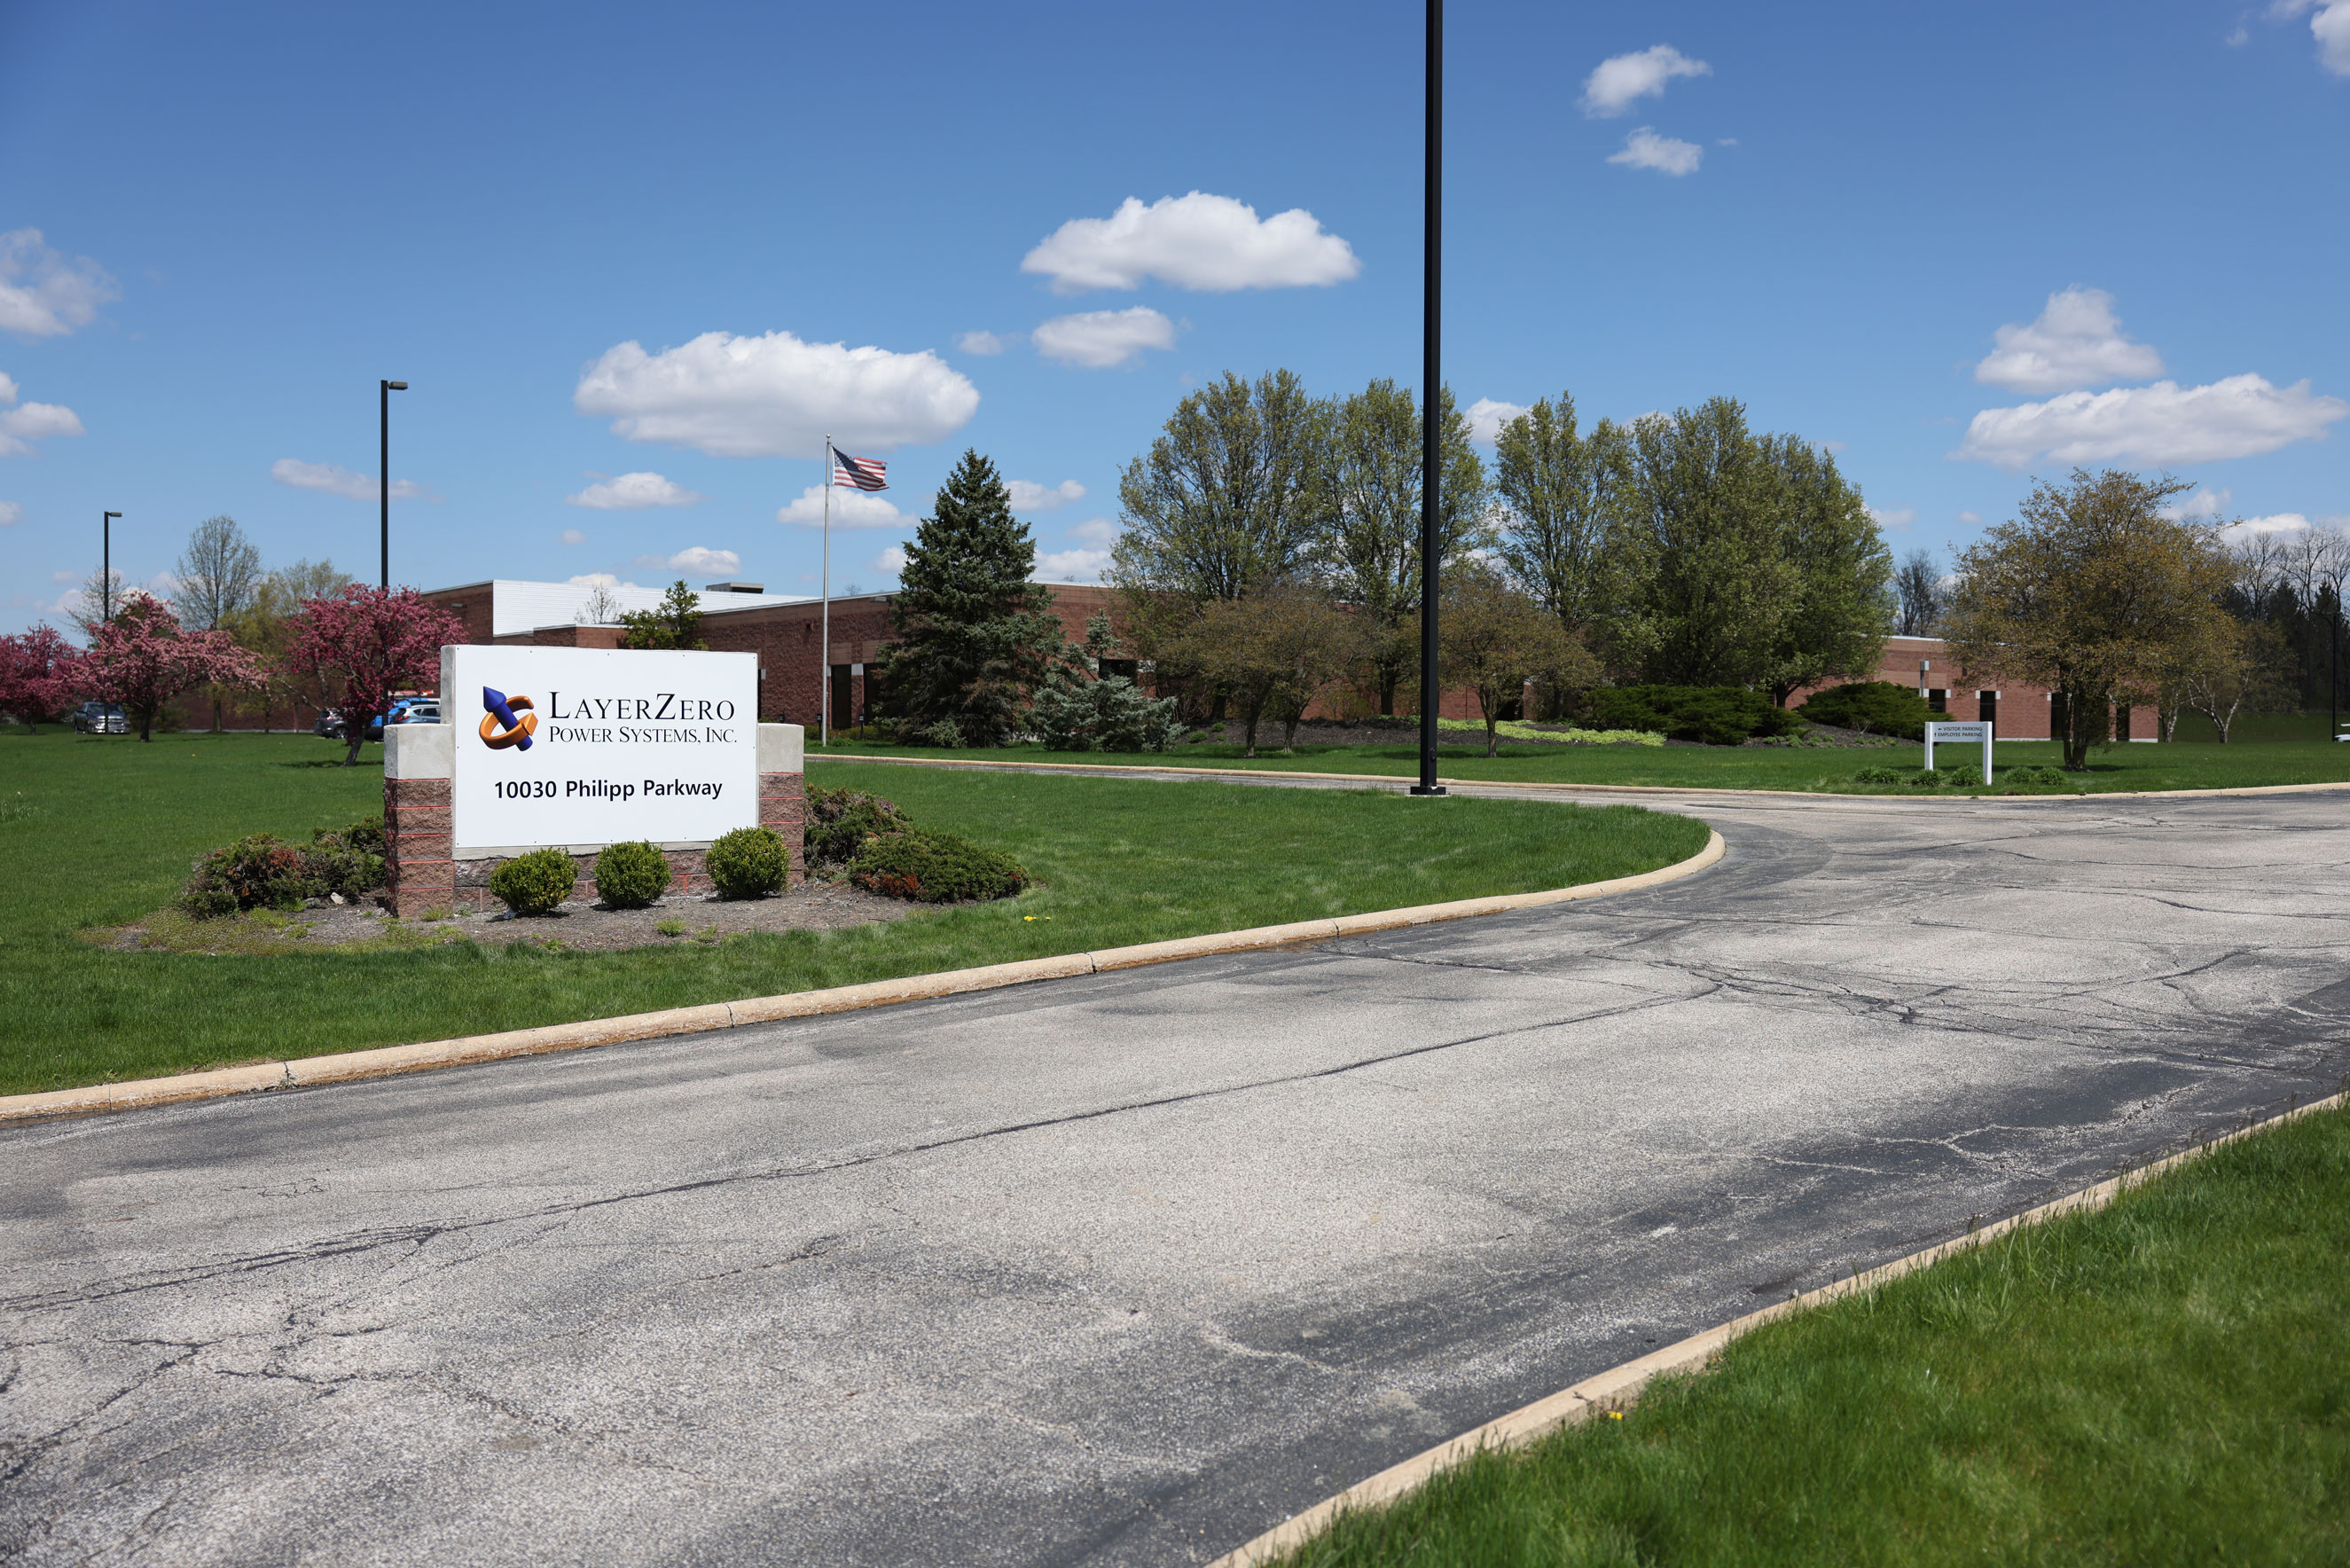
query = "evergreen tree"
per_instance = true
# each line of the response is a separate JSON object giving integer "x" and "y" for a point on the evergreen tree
{"x": 675, "y": 622}
{"x": 976, "y": 637}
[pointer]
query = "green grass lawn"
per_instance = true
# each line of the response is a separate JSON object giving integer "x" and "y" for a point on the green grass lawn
{"x": 2178, "y": 765}
{"x": 2166, "y": 1382}
{"x": 100, "y": 831}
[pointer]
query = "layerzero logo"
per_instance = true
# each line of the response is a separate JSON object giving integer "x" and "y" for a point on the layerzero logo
{"x": 507, "y": 722}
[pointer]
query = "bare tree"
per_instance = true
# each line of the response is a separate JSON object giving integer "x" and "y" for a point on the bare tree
{"x": 1918, "y": 588}
{"x": 600, "y": 609}
{"x": 217, "y": 577}
{"x": 86, "y": 606}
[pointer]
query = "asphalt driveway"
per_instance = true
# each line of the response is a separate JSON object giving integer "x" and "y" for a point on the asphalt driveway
{"x": 1125, "y": 1269}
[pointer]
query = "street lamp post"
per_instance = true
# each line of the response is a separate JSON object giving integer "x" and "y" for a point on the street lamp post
{"x": 106, "y": 565}
{"x": 384, "y": 390}
{"x": 1432, "y": 399}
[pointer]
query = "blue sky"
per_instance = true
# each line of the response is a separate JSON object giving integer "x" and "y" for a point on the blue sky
{"x": 247, "y": 214}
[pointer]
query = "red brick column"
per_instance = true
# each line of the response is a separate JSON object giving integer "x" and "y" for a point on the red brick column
{"x": 783, "y": 805}
{"x": 418, "y": 867}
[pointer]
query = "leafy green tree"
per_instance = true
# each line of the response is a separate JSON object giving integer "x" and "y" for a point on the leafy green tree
{"x": 1271, "y": 654}
{"x": 1496, "y": 639}
{"x": 976, "y": 637}
{"x": 1368, "y": 551}
{"x": 1226, "y": 499}
{"x": 2091, "y": 592}
{"x": 1841, "y": 608}
{"x": 1560, "y": 494}
{"x": 674, "y": 623}
{"x": 1699, "y": 583}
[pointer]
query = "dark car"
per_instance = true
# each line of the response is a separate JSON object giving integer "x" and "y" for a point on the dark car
{"x": 330, "y": 726}
{"x": 101, "y": 719}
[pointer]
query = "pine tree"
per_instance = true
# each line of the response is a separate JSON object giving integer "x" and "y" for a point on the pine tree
{"x": 976, "y": 637}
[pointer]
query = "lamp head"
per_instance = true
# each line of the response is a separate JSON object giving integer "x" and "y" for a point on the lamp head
{"x": 395, "y": 386}
{"x": 114, "y": 514}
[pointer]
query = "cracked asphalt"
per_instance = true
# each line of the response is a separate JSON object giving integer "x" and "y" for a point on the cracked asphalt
{"x": 1125, "y": 1269}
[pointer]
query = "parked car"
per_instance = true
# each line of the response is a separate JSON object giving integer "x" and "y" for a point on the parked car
{"x": 330, "y": 726}
{"x": 101, "y": 719}
{"x": 425, "y": 713}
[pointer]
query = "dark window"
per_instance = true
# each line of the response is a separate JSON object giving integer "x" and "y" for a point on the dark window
{"x": 1939, "y": 699}
{"x": 844, "y": 707}
{"x": 1986, "y": 704}
{"x": 1130, "y": 668}
{"x": 2060, "y": 716}
{"x": 2121, "y": 720}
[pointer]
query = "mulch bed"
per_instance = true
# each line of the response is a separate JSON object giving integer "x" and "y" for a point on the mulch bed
{"x": 580, "y": 926}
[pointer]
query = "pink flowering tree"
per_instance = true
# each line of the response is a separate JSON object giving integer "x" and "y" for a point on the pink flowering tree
{"x": 37, "y": 675}
{"x": 370, "y": 644}
{"x": 143, "y": 657}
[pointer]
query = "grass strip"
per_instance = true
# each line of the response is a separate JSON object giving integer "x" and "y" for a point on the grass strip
{"x": 2178, "y": 765}
{"x": 98, "y": 832}
{"x": 2167, "y": 1380}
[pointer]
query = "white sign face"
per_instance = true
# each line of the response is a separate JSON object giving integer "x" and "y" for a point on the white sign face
{"x": 587, "y": 747}
{"x": 1960, "y": 732}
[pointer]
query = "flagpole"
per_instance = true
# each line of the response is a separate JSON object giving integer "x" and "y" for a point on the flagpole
{"x": 824, "y": 660}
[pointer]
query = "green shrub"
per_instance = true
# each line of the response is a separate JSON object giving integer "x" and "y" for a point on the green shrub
{"x": 258, "y": 872}
{"x": 839, "y": 820}
{"x": 1965, "y": 776}
{"x": 1715, "y": 715}
{"x": 1874, "y": 707}
{"x": 752, "y": 862}
{"x": 632, "y": 876}
{"x": 1880, "y": 776}
{"x": 353, "y": 873}
{"x": 366, "y": 835}
{"x": 534, "y": 884}
{"x": 2038, "y": 778}
{"x": 944, "y": 732}
{"x": 1111, "y": 714}
{"x": 935, "y": 868}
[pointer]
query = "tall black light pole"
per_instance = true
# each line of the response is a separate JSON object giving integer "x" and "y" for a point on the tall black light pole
{"x": 1431, "y": 401}
{"x": 106, "y": 565}
{"x": 384, "y": 390}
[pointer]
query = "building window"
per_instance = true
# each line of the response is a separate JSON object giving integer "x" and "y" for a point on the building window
{"x": 843, "y": 701}
{"x": 1987, "y": 707}
{"x": 1130, "y": 668}
{"x": 1939, "y": 699}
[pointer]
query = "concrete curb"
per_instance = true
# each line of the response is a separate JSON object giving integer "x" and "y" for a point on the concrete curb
{"x": 344, "y": 1067}
{"x": 1399, "y": 780}
{"x": 1619, "y": 1387}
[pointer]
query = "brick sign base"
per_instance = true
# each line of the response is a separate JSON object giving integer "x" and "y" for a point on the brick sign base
{"x": 424, "y": 875}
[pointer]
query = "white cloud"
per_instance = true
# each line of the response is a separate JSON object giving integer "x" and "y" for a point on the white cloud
{"x": 43, "y": 293}
{"x": 2200, "y": 507}
{"x": 2277, "y": 523}
{"x": 573, "y": 536}
{"x": 850, "y": 509}
{"x": 633, "y": 492}
{"x": 1097, "y": 339}
{"x": 1971, "y": 517}
{"x": 64, "y": 577}
{"x": 13, "y": 512}
{"x": 334, "y": 481}
{"x": 1098, "y": 531}
{"x": 1832, "y": 447}
{"x": 1487, "y": 415}
{"x": 1029, "y": 496}
{"x": 1894, "y": 517}
{"x": 775, "y": 396}
{"x": 21, "y": 427}
{"x": 1619, "y": 82}
{"x": 891, "y": 560}
{"x": 2241, "y": 416}
{"x": 985, "y": 343}
{"x": 2330, "y": 27}
{"x": 601, "y": 580}
{"x": 1644, "y": 149}
{"x": 1079, "y": 565}
{"x": 696, "y": 560}
{"x": 1198, "y": 242}
{"x": 2077, "y": 342}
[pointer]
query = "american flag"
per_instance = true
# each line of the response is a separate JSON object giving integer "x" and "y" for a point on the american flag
{"x": 860, "y": 473}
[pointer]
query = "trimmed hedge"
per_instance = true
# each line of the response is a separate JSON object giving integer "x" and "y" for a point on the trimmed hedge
{"x": 534, "y": 884}
{"x": 263, "y": 871}
{"x": 1714, "y": 715}
{"x": 751, "y": 862}
{"x": 632, "y": 876}
{"x": 1873, "y": 707}
{"x": 932, "y": 868}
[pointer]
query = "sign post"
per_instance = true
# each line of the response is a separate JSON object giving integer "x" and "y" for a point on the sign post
{"x": 1961, "y": 732}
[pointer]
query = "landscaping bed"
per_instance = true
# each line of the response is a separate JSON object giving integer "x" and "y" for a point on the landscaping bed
{"x": 577, "y": 925}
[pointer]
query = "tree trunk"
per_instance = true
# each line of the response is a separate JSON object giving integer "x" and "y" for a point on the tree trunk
{"x": 1388, "y": 679}
{"x": 357, "y": 735}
